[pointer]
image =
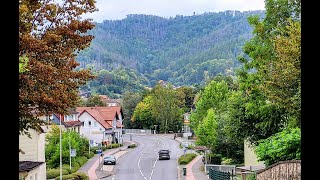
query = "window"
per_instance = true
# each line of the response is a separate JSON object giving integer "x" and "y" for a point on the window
{"x": 95, "y": 124}
{"x": 31, "y": 178}
{"x": 89, "y": 123}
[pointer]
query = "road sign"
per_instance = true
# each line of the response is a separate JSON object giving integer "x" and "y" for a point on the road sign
{"x": 73, "y": 152}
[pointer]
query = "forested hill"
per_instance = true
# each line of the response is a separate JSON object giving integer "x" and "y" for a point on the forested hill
{"x": 183, "y": 50}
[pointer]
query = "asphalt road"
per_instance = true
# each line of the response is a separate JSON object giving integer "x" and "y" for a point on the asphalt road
{"x": 142, "y": 162}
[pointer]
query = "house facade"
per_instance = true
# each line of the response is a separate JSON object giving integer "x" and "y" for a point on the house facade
{"x": 101, "y": 124}
{"x": 32, "y": 165}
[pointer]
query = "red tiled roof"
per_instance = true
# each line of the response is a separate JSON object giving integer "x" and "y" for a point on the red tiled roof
{"x": 103, "y": 114}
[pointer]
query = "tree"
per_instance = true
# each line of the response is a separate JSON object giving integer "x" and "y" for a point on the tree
{"x": 207, "y": 130}
{"x": 282, "y": 146}
{"x": 143, "y": 115}
{"x": 94, "y": 100}
{"x": 166, "y": 107}
{"x": 129, "y": 102}
{"x": 270, "y": 78}
{"x": 50, "y": 35}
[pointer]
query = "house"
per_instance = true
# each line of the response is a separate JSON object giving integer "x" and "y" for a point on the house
{"x": 101, "y": 124}
{"x": 68, "y": 121}
{"x": 109, "y": 102}
{"x": 32, "y": 163}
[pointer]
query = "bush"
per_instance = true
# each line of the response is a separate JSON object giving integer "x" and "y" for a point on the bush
{"x": 86, "y": 154}
{"x": 186, "y": 158}
{"x": 81, "y": 175}
{"x": 81, "y": 160}
{"x": 226, "y": 161}
{"x": 68, "y": 177}
{"x": 53, "y": 173}
{"x": 214, "y": 158}
{"x": 132, "y": 146}
{"x": 67, "y": 168}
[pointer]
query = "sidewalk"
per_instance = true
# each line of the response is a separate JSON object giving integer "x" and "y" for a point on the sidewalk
{"x": 195, "y": 168}
{"x": 91, "y": 166}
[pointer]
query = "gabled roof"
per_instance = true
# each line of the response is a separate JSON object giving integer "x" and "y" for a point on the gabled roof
{"x": 28, "y": 165}
{"x": 103, "y": 114}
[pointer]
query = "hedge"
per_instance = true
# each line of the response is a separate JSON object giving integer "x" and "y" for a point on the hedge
{"x": 186, "y": 158}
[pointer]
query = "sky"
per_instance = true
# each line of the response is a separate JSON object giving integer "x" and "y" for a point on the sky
{"x": 118, "y": 9}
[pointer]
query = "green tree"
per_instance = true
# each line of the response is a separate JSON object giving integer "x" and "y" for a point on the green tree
{"x": 282, "y": 146}
{"x": 94, "y": 100}
{"x": 207, "y": 130}
{"x": 143, "y": 115}
{"x": 129, "y": 102}
{"x": 166, "y": 107}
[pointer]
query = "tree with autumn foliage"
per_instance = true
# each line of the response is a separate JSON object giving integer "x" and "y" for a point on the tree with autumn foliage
{"x": 50, "y": 36}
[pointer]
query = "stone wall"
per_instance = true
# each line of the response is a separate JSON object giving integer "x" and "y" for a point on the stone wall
{"x": 283, "y": 170}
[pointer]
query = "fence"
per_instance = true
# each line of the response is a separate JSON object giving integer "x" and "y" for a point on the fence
{"x": 137, "y": 131}
{"x": 219, "y": 175}
{"x": 224, "y": 168}
{"x": 284, "y": 170}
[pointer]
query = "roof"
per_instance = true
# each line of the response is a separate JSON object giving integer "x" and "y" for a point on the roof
{"x": 103, "y": 114}
{"x": 72, "y": 123}
{"x": 28, "y": 165}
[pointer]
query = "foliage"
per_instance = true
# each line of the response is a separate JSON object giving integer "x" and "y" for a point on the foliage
{"x": 23, "y": 63}
{"x": 207, "y": 130}
{"x": 285, "y": 145}
{"x": 50, "y": 35}
{"x": 92, "y": 101}
{"x": 183, "y": 50}
{"x": 143, "y": 115}
{"x": 129, "y": 102}
{"x": 53, "y": 173}
{"x": 132, "y": 146}
{"x": 185, "y": 159}
{"x": 269, "y": 94}
{"x": 52, "y": 150}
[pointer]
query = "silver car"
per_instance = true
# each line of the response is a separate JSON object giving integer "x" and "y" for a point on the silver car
{"x": 110, "y": 159}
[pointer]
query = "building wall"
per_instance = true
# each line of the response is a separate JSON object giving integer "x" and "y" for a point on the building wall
{"x": 250, "y": 158}
{"x": 39, "y": 173}
{"x": 33, "y": 148}
{"x": 93, "y": 133}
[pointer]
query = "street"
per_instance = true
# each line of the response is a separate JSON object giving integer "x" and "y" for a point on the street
{"x": 142, "y": 163}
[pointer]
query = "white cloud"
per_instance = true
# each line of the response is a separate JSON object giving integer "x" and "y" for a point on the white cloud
{"x": 118, "y": 9}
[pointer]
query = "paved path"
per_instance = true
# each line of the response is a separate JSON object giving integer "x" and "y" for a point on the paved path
{"x": 194, "y": 168}
{"x": 89, "y": 168}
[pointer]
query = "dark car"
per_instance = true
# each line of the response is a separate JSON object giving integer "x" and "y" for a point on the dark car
{"x": 109, "y": 160}
{"x": 164, "y": 154}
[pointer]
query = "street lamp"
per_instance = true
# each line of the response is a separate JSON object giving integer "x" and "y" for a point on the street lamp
{"x": 60, "y": 150}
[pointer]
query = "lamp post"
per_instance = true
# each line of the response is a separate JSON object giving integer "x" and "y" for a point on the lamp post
{"x": 60, "y": 151}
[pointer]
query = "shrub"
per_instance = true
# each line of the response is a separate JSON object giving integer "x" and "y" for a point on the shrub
{"x": 68, "y": 177}
{"x": 52, "y": 173}
{"x": 215, "y": 158}
{"x": 226, "y": 161}
{"x": 81, "y": 160}
{"x": 186, "y": 158}
{"x": 67, "y": 168}
{"x": 81, "y": 175}
{"x": 132, "y": 146}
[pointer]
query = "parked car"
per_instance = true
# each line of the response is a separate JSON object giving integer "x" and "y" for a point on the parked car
{"x": 110, "y": 159}
{"x": 164, "y": 154}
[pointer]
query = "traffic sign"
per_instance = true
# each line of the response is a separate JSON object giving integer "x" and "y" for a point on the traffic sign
{"x": 73, "y": 152}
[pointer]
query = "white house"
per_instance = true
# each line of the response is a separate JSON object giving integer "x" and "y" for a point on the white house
{"x": 32, "y": 163}
{"x": 101, "y": 124}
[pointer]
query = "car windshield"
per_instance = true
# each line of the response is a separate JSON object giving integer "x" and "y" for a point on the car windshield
{"x": 109, "y": 158}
